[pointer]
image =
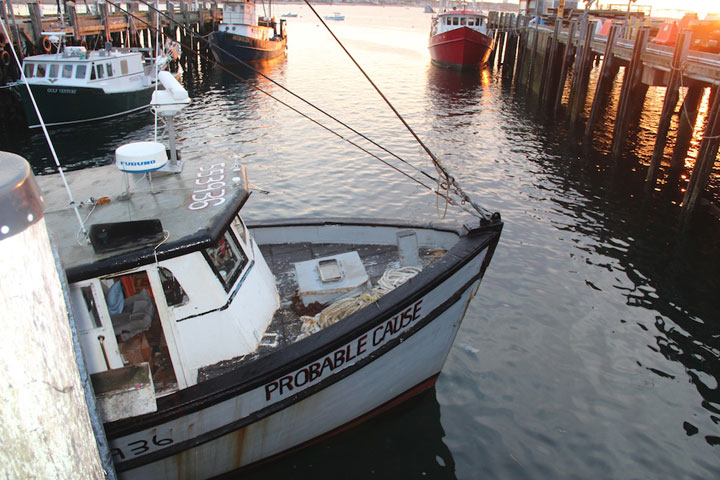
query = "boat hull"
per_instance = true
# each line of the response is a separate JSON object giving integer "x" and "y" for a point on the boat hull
{"x": 62, "y": 105}
{"x": 460, "y": 48}
{"x": 389, "y": 352}
{"x": 229, "y": 48}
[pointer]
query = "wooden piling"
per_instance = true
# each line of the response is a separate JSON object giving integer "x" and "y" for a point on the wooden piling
{"x": 547, "y": 73}
{"x": 567, "y": 59}
{"x": 581, "y": 76}
{"x": 46, "y": 428}
{"x": 493, "y": 26}
{"x": 606, "y": 79}
{"x": 706, "y": 156}
{"x": 502, "y": 31}
{"x": 511, "y": 49}
{"x": 533, "y": 54}
{"x": 632, "y": 76}
{"x": 686, "y": 127}
{"x": 671, "y": 98}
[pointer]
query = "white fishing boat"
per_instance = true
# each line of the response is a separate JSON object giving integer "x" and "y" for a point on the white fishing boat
{"x": 76, "y": 85}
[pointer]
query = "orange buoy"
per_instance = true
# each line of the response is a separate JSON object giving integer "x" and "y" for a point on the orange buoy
{"x": 5, "y": 57}
{"x": 46, "y": 44}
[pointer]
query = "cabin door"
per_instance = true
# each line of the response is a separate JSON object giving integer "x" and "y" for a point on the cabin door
{"x": 138, "y": 311}
{"x": 94, "y": 329}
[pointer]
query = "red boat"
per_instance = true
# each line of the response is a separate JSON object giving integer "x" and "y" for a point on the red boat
{"x": 458, "y": 36}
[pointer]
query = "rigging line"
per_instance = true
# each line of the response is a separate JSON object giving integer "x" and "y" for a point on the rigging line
{"x": 250, "y": 67}
{"x": 441, "y": 169}
{"x": 44, "y": 129}
{"x": 291, "y": 107}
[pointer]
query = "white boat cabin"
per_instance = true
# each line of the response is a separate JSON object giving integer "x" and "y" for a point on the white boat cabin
{"x": 240, "y": 18}
{"x": 183, "y": 313}
{"x": 452, "y": 20}
{"x": 76, "y": 67}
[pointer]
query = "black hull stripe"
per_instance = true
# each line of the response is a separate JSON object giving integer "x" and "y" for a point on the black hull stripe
{"x": 283, "y": 404}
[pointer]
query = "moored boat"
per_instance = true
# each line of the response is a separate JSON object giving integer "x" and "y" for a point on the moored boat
{"x": 75, "y": 85}
{"x": 335, "y": 16}
{"x": 213, "y": 344}
{"x": 244, "y": 37}
{"x": 459, "y": 36}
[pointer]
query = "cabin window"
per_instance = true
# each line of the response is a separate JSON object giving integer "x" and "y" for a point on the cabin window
{"x": 29, "y": 69}
{"x": 471, "y": 22}
{"x": 227, "y": 259}
{"x": 109, "y": 69}
{"x": 174, "y": 293}
{"x": 67, "y": 71}
{"x": 123, "y": 67}
{"x": 462, "y": 21}
{"x": 93, "y": 76}
{"x": 100, "y": 70}
{"x": 455, "y": 20}
{"x": 92, "y": 318}
{"x": 481, "y": 21}
{"x": 80, "y": 71}
{"x": 54, "y": 70}
{"x": 447, "y": 21}
{"x": 242, "y": 230}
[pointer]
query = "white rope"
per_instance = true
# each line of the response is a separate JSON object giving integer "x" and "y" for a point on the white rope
{"x": 391, "y": 279}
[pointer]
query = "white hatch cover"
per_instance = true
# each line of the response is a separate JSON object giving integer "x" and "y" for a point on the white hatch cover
{"x": 326, "y": 279}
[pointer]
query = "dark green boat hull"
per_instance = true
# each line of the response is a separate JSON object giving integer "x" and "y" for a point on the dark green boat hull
{"x": 60, "y": 105}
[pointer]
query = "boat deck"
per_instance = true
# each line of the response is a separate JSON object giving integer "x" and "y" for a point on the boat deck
{"x": 286, "y": 324}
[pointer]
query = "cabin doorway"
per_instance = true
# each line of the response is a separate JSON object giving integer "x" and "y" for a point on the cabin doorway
{"x": 136, "y": 323}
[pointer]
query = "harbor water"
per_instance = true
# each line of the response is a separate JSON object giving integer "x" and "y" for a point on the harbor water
{"x": 592, "y": 349}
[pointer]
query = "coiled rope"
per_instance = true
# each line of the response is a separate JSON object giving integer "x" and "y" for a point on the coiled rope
{"x": 391, "y": 279}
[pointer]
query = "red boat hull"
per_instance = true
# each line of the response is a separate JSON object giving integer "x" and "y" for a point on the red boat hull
{"x": 460, "y": 48}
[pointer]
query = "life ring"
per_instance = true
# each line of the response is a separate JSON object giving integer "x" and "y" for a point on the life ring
{"x": 47, "y": 46}
{"x": 5, "y": 57}
{"x": 2, "y": 40}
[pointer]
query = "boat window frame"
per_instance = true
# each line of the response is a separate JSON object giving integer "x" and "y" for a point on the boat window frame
{"x": 124, "y": 69}
{"x": 80, "y": 68}
{"x": 54, "y": 70}
{"x": 228, "y": 282}
{"x": 463, "y": 21}
{"x": 93, "y": 75}
{"x": 41, "y": 68}
{"x": 67, "y": 73}
{"x": 100, "y": 69}
{"x": 29, "y": 70}
{"x": 108, "y": 69}
{"x": 455, "y": 21}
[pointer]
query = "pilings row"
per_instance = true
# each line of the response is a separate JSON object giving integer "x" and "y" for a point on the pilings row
{"x": 121, "y": 23}
{"x": 540, "y": 61}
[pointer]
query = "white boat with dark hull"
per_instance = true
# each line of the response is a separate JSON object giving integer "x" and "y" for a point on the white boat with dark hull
{"x": 192, "y": 324}
{"x": 76, "y": 85}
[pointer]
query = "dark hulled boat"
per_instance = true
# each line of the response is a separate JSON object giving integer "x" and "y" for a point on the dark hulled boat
{"x": 245, "y": 37}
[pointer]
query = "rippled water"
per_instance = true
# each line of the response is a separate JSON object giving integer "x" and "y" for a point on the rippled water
{"x": 592, "y": 348}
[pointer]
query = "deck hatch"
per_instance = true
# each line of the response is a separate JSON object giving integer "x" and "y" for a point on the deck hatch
{"x": 107, "y": 237}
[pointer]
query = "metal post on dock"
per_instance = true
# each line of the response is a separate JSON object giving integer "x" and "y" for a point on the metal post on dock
{"x": 48, "y": 428}
{"x": 682, "y": 46}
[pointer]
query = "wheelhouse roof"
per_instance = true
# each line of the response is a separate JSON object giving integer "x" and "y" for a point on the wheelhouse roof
{"x": 169, "y": 198}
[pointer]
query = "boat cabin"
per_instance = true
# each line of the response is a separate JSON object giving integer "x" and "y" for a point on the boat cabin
{"x": 75, "y": 66}
{"x": 240, "y": 18}
{"x": 451, "y": 20}
{"x": 179, "y": 314}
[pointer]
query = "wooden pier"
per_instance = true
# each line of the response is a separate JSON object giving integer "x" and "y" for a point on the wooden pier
{"x": 540, "y": 58}
{"x": 127, "y": 23}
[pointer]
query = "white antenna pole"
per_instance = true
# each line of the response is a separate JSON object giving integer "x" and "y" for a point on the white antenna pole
{"x": 157, "y": 56}
{"x": 47, "y": 135}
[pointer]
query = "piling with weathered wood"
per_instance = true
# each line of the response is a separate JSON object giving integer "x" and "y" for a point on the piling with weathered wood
{"x": 47, "y": 428}
{"x": 707, "y": 154}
